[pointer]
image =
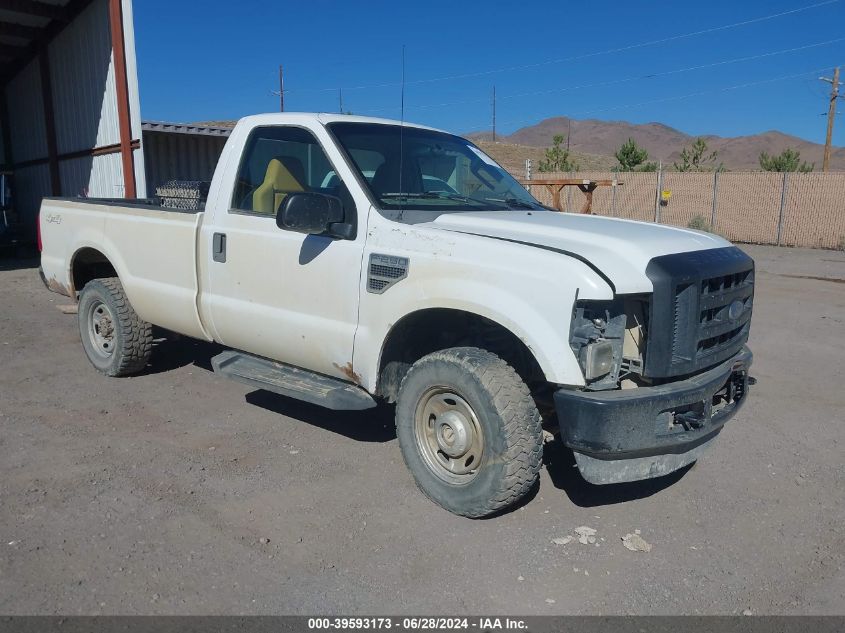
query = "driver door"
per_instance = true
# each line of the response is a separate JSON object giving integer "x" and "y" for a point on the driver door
{"x": 276, "y": 293}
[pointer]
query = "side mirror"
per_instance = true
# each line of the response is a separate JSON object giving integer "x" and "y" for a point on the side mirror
{"x": 312, "y": 213}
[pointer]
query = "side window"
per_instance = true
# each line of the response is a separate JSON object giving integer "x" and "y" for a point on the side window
{"x": 277, "y": 161}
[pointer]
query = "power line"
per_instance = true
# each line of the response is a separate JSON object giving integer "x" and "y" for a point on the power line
{"x": 609, "y": 51}
{"x": 642, "y": 77}
{"x": 624, "y": 79}
{"x": 680, "y": 97}
{"x": 688, "y": 68}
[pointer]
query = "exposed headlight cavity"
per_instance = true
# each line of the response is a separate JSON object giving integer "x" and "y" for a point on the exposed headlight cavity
{"x": 597, "y": 359}
{"x": 598, "y": 338}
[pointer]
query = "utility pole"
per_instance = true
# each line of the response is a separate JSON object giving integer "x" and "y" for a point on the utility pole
{"x": 568, "y": 134}
{"x": 831, "y": 114}
{"x": 494, "y": 114}
{"x": 340, "y": 98}
{"x": 281, "y": 89}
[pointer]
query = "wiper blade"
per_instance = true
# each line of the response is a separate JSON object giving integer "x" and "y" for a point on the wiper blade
{"x": 521, "y": 204}
{"x": 458, "y": 197}
{"x": 409, "y": 195}
{"x": 514, "y": 202}
{"x": 438, "y": 195}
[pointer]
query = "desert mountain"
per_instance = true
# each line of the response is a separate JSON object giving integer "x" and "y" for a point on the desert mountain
{"x": 603, "y": 138}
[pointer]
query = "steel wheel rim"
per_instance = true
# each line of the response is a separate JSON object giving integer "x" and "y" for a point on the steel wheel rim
{"x": 448, "y": 435}
{"x": 101, "y": 330}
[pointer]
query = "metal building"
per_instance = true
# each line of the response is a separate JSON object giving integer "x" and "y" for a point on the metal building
{"x": 70, "y": 121}
{"x": 174, "y": 151}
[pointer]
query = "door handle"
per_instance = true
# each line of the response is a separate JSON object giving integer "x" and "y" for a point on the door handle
{"x": 218, "y": 247}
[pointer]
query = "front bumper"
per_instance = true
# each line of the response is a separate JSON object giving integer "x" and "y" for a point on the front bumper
{"x": 633, "y": 434}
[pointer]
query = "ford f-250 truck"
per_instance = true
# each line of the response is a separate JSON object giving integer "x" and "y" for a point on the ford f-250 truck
{"x": 344, "y": 260}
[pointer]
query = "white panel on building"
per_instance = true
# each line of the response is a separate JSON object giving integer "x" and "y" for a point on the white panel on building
{"x": 82, "y": 70}
{"x": 93, "y": 177}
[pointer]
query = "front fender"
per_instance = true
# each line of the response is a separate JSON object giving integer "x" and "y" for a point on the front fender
{"x": 532, "y": 299}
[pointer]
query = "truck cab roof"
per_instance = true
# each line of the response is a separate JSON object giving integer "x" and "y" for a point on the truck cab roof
{"x": 294, "y": 118}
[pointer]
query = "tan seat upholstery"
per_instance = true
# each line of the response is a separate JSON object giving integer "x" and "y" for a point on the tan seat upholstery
{"x": 283, "y": 176}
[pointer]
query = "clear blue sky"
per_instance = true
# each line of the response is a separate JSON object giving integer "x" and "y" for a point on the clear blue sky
{"x": 219, "y": 60}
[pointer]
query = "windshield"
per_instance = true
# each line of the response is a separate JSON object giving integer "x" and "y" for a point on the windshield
{"x": 423, "y": 170}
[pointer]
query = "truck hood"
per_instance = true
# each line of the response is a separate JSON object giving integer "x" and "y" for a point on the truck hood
{"x": 619, "y": 249}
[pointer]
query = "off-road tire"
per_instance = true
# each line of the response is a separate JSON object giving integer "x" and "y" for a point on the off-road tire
{"x": 506, "y": 413}
{"x": 132, "y": 337}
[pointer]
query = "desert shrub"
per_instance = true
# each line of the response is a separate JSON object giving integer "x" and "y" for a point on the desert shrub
{"x": 699, "y": 223}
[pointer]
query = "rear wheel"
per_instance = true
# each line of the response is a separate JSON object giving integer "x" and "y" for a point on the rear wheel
{"x": 469, "y": 431}
{"x": 116, "y": 341}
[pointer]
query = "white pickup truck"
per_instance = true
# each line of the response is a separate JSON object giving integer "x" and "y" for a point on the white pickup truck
{"x": 345, "y": 260}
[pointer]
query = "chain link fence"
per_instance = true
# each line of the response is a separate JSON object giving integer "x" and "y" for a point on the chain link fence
{"x": 785, "y": 209}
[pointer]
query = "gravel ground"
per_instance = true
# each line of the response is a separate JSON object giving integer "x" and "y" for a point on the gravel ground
{"x": 182, "y": 492}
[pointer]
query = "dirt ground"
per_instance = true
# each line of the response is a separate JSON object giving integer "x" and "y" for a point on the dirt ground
{"x": 179, "y": 491}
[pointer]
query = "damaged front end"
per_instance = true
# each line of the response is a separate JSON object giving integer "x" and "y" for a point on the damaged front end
{"x": 631, "y": 434}
{"x": 663, "y": 372}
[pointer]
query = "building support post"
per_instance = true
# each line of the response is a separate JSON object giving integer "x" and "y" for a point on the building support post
{"x": 122, "y": 89}
{"x": 50, "y": 121}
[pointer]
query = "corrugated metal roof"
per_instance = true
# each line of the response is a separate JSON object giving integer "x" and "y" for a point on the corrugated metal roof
{"x": 25, "y": 24}
{"x": 185, "y": 128}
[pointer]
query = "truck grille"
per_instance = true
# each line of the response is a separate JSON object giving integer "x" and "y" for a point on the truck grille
{"x": 701, "y": 310}
{"x": 718, "y": 329}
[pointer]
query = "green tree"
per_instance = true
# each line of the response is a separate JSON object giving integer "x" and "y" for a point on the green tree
{"x": 557, "y": 158}
{"x": 696, "y": 157}
{"x": 632, "y": 157}
{"x": 788, "y": 160}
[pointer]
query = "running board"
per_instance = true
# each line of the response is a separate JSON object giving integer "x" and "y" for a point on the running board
{"x": 292, "y": 382}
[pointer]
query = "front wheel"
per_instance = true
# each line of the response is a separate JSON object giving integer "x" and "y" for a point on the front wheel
{"x": 469, "y": 431}
{"x": 115, "y": 339}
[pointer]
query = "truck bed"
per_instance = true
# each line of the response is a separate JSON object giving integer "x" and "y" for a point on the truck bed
{"x": 152, "y": 248}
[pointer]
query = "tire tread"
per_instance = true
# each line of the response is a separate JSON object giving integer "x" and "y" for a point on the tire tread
{"x": 137, "y": 335}
{"x": 521, "y": 424}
